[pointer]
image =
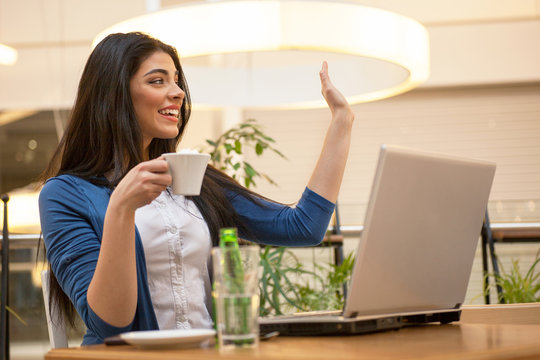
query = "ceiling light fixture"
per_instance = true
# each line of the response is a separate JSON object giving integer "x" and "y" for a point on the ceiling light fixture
{"x": 267, "y": 53}
{"x": 8, "y": 55}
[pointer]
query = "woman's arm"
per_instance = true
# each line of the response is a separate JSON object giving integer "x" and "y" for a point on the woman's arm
{"x": 328, "y": 173}
{"x": 306, "y": 224}
{"x": 112, "y": 293}
{"x": 276, "y": 224}
{"x": 71, "y": 212}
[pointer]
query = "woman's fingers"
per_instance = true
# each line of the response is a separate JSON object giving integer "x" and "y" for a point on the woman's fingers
{"x": 158, "y": 165}
{"x": 158, "y": 175}
{"x": 162, "y": 179}
{"x": 324, "y": 73}
{"x": 326, "y": 84}
{"x": 334, "y": 98}
{"x": 156, "y": 171}
{"x": 143, "y": 183}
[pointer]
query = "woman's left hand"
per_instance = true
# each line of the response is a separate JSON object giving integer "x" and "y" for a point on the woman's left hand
{"x": 334, "y": 98}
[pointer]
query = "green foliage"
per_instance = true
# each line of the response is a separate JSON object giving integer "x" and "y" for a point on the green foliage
{"x": 276, "y": 286}
{"x": 324, "y": 290}
{"x": 516, "y": 287}
{"x": 226, "y": 150}
{"x": 287, "y": 286}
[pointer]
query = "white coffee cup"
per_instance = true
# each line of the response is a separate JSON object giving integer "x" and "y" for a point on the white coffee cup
{"x": 187, "y": 170}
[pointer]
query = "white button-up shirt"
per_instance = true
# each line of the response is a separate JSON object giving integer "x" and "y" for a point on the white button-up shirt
{"x": 177, "y": 246}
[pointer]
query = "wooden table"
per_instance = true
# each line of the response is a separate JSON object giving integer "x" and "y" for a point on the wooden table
{"x": 485, "y": 332}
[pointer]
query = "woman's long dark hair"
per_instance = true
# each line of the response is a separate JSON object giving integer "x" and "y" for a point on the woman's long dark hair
{"x": 104, "y": 137}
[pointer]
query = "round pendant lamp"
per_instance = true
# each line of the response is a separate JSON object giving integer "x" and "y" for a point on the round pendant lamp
{"x": 267, "y": 53}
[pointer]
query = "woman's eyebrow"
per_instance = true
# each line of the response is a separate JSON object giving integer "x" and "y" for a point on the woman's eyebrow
{"x": 153, "y": 71}
{"x": 162, "y": 71}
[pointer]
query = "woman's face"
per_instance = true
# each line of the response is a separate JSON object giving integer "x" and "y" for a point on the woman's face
{"x": 156, "y": 97}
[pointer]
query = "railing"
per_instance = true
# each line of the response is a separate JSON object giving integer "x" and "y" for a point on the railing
{"x": 502, "y": 232}
{"x": 516, "y": 232}
{"x": 22, "y": 241}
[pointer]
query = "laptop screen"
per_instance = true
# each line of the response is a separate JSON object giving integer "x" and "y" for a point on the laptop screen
{"x": 420, "y": 234}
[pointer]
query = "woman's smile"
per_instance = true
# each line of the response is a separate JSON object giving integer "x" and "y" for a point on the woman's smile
{"x": 170, "y": 112}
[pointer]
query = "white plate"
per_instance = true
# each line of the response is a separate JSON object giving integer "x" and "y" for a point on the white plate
{"x": 168, "y": 338}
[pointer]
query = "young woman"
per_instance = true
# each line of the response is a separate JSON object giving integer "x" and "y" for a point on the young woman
{"x": 128, "y": 253}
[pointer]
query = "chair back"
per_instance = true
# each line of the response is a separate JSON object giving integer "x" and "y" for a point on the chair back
{"x": 56, "y": 324}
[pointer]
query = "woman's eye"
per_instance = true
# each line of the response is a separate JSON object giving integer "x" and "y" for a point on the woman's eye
{"x": 156, "y": 81}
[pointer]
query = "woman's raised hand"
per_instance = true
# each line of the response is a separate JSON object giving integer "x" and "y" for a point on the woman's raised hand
{"x": 334, "y": 98}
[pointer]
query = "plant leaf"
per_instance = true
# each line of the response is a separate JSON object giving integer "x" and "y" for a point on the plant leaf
{"x": 250, "y": 171}
{"x": 259, "y": 149}
{"x": 238, "y": 146}
{"x": 16, "y": 315}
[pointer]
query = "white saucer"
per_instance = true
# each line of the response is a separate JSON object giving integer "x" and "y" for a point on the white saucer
{"x": 168, "y": 338}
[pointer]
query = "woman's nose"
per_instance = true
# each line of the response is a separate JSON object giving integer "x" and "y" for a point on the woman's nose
{"x": 177, "y": 92}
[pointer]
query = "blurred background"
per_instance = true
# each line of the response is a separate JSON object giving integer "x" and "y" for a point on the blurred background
{"x": 482, "y": 100}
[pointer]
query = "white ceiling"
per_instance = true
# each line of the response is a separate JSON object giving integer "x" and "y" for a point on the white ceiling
{"x": 438, "y": 12}
{"x": 39, "y": 22}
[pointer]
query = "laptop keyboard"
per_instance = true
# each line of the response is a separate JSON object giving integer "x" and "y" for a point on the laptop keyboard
{"x": 307, "y": 314}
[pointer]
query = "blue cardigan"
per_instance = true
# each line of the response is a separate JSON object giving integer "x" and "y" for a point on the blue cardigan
{"x": 72, "y": 212}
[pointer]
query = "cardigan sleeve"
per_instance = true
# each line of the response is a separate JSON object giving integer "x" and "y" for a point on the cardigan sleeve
{"x": 282, "y": 225}
{"x": 72, "y": 236}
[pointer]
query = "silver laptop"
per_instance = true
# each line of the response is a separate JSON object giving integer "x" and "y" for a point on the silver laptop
{"x": 416, "y": 251}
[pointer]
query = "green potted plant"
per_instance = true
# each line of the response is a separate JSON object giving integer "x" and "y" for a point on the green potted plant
{"x": 287, "y": 286}
{"x": 516, "y": 287}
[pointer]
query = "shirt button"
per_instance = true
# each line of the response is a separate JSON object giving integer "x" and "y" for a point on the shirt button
{"x": 173, "y": 230}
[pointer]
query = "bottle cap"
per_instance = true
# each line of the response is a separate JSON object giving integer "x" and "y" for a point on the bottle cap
{"x": 227, "y": 232}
